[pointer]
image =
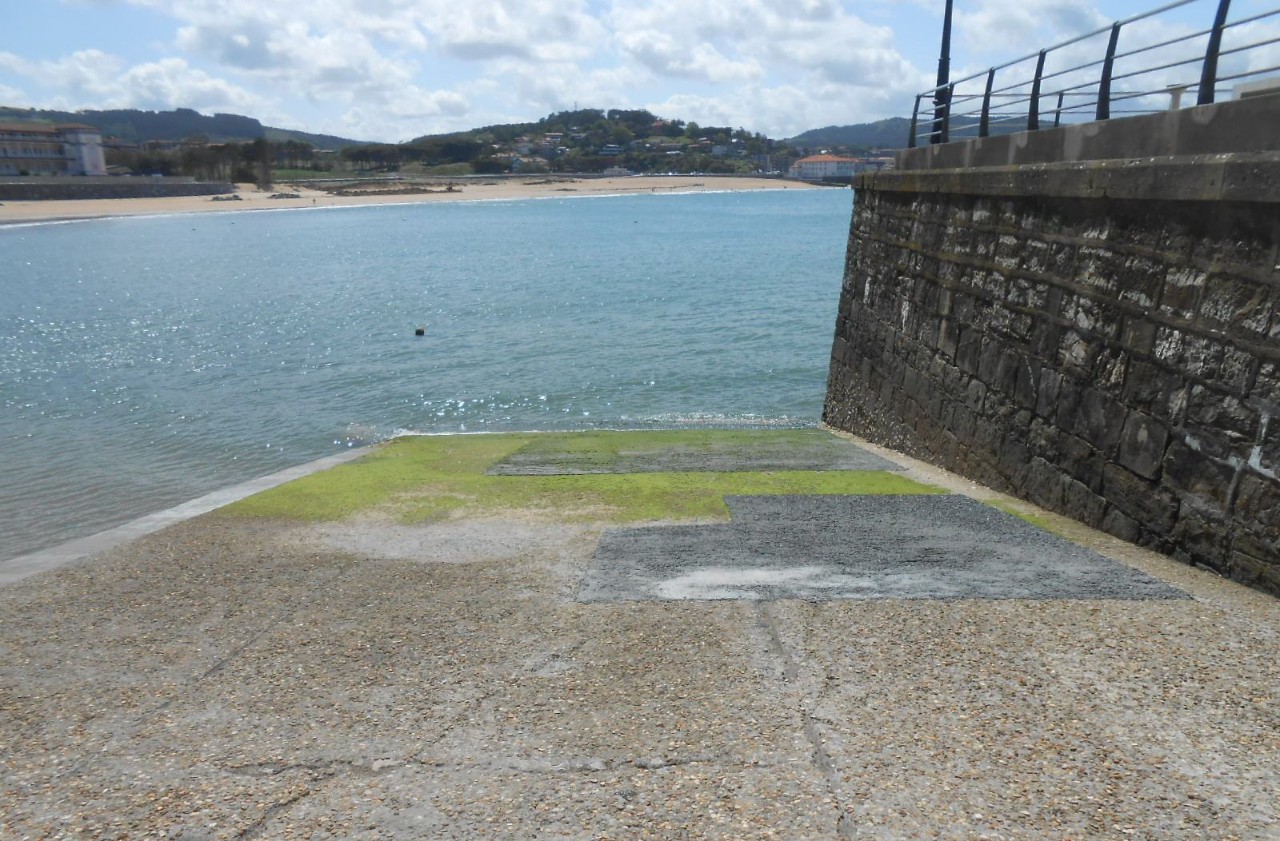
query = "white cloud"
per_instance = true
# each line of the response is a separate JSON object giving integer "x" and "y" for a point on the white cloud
{"x": 95, "y": 79}
{"x": 395, "y": 69}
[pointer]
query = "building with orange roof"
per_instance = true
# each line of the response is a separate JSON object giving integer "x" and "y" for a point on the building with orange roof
{"x": 826, "y": 167}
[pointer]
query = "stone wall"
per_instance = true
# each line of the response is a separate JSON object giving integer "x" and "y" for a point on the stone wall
{"x": 46, "y": 189}
{"x": 1101, "y": 338}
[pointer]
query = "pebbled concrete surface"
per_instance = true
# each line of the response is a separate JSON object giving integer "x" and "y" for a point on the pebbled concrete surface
{"x": 857, "y": 547}
{"x": 225, "y": 679}
{"x": 808, "y": 450}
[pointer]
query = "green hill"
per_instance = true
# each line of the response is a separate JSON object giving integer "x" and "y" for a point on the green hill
{"x": 134, "y": 126}
{"x": 882, "y": 134}
{"x": 328, "y": 142}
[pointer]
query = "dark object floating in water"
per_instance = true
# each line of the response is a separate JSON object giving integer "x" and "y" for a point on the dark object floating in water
{"x": 421, "y": 331}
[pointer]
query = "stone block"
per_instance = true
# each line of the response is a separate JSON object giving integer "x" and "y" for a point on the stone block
{"x": 962, "y": 423}
{"x": 948, "y": 336}
{"x": 1224, "y": 423}
{"x": 1095, "y": 269}
{"x": 1076, "y": 353}
{"x": 969, "y": 350}
{"x": 1062, "y": 259}
{"x": 1266, "y": 458}
{"x": 1204, "y": 358}
{"x": 1082, "y": 504}
{"x": 1042, "y": 439}
{"x": 1151, "y": 388}
{"x": 975, "y": 394}
{"x": 1154, "y": 508}
{"x": 1232, "y": 245}
{"x": 1183, "y": 286}
{"x": 998, "y": 367}
{"x": 1258, "y": 500}
{"x": 1046, "y": 337}
{"x": 1191, "y": 472}
{"x": 987, "y": 438}
{"x": 1138, "y": 334}
{"x": 1247, "y": 569}
{"x": 1236, "y": 304}
{"x": 1201, "y": 532}
{"x": 1258, "y": 544}
{"x": 1122, "y": 526}
{"x": 1043, "y": 484}
{"x": 1080, "y": 460}
{"x": 839, "y": 350}
{"x": 1013, "y": 459}
{"x": 1047, "y": 398}
{"x": 910, "y": 383}
{"x": 1035, "y": 258}
{"x": 1142, "y": 445}
{"x": 1099, "y": 420}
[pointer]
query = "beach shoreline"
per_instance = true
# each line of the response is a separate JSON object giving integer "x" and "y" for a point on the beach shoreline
{"x": 479, "y": 189}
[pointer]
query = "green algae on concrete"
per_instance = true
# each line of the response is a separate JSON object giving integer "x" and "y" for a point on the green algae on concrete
{"x": 1019, "y": 511}
{"x": 688, "y": 451}
{"x": 424, "y": 478}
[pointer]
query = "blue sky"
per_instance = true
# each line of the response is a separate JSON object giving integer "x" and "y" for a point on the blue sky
{"x": 392, "y": 70}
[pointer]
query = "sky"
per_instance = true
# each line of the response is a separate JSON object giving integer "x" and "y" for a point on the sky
{"x": 392, "y": 70}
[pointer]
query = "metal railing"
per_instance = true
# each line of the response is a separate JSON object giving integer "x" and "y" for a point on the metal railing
{"x": 1151, "y": 73}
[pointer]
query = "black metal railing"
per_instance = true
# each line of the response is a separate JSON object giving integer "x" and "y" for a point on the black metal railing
{"x": 1137, "y": 72}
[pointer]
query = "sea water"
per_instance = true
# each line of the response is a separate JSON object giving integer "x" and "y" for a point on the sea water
{"x": 146, "y": 361}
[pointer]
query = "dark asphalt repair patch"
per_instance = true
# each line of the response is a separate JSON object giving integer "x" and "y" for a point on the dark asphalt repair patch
{"x": 857, "y": 547}
{"x": 800, "y": 450}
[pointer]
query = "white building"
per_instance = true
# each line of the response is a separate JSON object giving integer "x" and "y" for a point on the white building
{"x": 818, "y": 167}
{"x": 31, "y": 148}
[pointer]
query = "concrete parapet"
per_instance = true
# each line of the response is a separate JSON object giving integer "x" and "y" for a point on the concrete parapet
{"x": 1102, "y": 338}
{"x": 1246, "y": 125}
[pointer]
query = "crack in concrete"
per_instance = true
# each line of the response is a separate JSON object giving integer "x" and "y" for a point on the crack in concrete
{"x": 808, "y": 703}
{"x": 258, "y": 827}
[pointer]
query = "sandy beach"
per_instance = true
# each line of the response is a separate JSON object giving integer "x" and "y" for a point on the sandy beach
{"x": 479, "y": 189}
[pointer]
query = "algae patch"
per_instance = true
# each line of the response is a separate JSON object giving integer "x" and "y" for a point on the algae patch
{"x": 424, "y": 478}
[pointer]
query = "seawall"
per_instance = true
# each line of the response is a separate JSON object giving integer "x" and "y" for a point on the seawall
{"x": 1101, "y": 337}
{"x": 47, "y": 189}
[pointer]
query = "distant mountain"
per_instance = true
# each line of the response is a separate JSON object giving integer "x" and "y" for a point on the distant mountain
{"x": 320, "y": 141}
{"x": 139, "y": 126}
{"x": 136, "y": 126}
{"x": 882, "y": 134}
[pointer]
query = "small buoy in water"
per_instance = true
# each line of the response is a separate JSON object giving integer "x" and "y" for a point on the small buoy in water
{"x": 421, "y": 331}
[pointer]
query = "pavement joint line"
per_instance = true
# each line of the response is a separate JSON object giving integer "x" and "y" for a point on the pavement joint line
{"x": 43, "y": 560}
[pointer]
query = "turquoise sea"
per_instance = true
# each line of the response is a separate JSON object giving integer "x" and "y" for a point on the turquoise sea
{"x": 147, "y": 361}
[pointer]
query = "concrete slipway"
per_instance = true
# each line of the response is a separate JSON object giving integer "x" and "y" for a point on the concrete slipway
{"x": 838, "y": 667}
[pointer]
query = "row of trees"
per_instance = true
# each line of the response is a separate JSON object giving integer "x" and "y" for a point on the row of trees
{"x": 196, "y": 157}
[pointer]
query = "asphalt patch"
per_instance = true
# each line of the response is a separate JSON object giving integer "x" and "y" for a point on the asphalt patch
{"x": 857, "y": 547}
{"x": 764, "y": 452}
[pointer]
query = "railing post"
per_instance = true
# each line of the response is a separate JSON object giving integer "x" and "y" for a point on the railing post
{"x": 1057, "y": 113}
{"x": 915, "y": 118}
{"x": 1033, "y": 113}
{"x": 941, "y": 114}
{"x": 984, "y": 126}
{"x": 946, "y": 113}
{"x": 1209, "y": 75}
{"x": 1104, "y": 84}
